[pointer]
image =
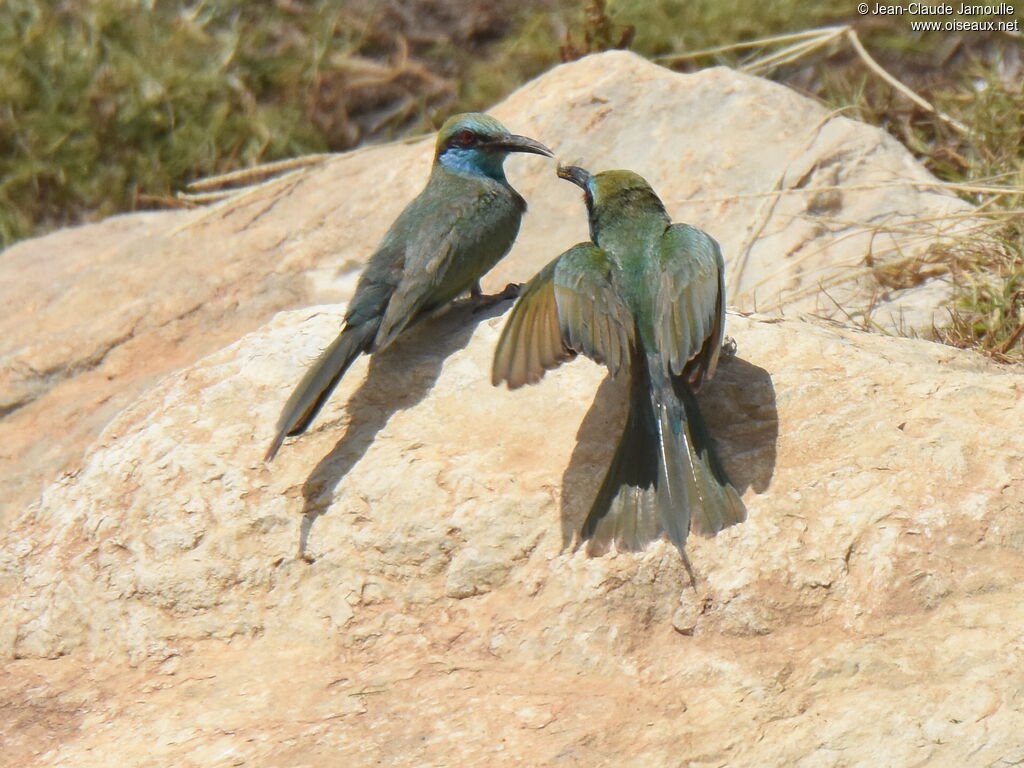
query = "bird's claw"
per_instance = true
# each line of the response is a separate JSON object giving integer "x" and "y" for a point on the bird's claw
{"x": 729, "y": 348}
{"x": 511, "y": 291}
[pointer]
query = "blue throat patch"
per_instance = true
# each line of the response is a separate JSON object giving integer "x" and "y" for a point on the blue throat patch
{"x": 475, "y": 161}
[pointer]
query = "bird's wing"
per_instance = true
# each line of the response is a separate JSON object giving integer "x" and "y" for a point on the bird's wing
{"x": 570, "y": 307}
{"x": 690, "y": 303}
{"x": 449, "y": 242}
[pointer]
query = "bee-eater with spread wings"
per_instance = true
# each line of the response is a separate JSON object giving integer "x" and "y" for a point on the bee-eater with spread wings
{"x": 646, "y": 296}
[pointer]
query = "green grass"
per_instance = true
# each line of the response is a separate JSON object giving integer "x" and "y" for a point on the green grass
{"x": 988, "y": 312}
{"x": 104, "y": 101}
{"x": 107, "y": 103}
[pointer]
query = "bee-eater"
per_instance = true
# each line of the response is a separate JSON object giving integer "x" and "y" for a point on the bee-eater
{"x": 647, "y": 296}
{"x": 462, "y": 223}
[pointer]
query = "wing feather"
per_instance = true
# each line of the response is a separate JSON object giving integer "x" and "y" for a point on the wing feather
{"x": 570, "y": 307}
{"x": 690, "y": 305}
{"x": 523, "y": 340}
{"x": 448, "y": 238}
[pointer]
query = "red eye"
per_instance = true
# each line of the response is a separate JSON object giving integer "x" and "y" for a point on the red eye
{"x": 466, "y": 138}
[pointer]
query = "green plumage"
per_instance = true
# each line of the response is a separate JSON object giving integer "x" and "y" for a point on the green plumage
{"x": 645, "y": 295}
{"x": 462, "y": 223}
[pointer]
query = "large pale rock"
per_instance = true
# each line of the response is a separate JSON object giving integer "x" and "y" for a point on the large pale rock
{"x": 400, "y": 585}
{"x": 95, "y": 315}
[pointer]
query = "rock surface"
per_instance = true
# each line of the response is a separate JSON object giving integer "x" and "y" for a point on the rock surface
{"x": 96, "y": 315}
{"x": 400, "y": 587}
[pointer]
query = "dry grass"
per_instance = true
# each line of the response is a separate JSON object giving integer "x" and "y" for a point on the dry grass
{"x": 955, "y": 100}
{"x": 988, "y": 312}
{"x": 112, "y": 105}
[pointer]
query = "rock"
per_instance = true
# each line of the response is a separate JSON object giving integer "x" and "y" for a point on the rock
{"x": 798, "y": 196}
{"x": 123, "y": 303}
{"x": 417, "y": 545}
{"x": 402, "y": 585}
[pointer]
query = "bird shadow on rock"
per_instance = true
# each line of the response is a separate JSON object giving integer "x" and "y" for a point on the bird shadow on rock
{"x": 398, "y": 378}
{"x": 738, "y": 405}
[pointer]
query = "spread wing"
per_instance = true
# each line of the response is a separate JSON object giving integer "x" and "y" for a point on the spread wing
{"x": 570, "y": 307}
{"x": 690, "y": 303}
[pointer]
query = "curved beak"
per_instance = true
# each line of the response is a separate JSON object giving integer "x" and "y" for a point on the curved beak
{"x": 513, "y": 143}
{"x": 578, "y": 176}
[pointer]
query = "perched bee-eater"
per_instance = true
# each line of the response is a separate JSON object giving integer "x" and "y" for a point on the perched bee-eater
{"x": 462, "y": 223}
{"x": 647, "y": 296}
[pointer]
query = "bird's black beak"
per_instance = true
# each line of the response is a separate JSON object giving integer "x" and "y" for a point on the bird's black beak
{"x": 578, "y": 176}
{"x": 513, "y": 143}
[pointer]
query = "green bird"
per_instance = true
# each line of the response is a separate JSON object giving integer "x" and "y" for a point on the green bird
{"x": 647, "y": 296}
{"x": 462, "y": 223}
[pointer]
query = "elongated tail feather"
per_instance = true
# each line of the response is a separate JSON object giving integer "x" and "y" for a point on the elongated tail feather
{"x": 675, "y": 492}
{"x": 664, "y": 476}
{"x": 319, "y": 382}
{"x": 720, "y": 504}
{"x": 624, "y": 510}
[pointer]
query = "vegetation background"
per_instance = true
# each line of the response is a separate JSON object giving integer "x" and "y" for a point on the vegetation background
{"x": 114, "y": 105}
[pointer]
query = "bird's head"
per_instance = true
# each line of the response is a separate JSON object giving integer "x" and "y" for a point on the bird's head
{"x": 473, "y": 142}
{"x": 615, "y": 198}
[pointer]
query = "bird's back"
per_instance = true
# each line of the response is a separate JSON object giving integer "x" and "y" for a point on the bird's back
{"x": 689, "y": 309}
{"x": 671, "y": 281}
{"x": 636, "y": 278}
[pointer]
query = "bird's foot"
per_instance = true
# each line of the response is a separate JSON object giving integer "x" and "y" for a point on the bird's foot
{"x": 511, "y": 291}
{"x": 728, "y": 348}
